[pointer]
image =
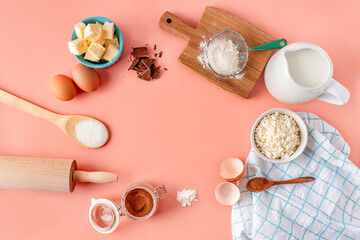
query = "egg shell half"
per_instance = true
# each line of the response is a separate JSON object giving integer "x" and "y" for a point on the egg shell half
{"x": 232, "y": 169}
{"x": 227, "y": 193}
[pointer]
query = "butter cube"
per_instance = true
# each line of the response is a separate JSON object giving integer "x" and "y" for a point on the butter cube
{"x": 93, "y": 32}
{"x": 79, "y": 29}
{"x": 108, "y": 30}
{"x": 77, "y": 46}
{"x": 91, "y": 57}
{"x": 101, "y": 42}
{"x": 111, "y": 52}
{"x": 114, "y": 41}
{"x": 95, "y": 51}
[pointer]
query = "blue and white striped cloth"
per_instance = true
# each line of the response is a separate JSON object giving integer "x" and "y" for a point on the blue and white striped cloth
{"x": 327, "y": 208}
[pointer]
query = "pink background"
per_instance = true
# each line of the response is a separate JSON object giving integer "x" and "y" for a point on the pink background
{"x": 175, "y": 130}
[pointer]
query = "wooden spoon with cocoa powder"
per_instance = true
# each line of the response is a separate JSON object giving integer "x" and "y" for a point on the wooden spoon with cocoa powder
{"x": 260, "y": 184}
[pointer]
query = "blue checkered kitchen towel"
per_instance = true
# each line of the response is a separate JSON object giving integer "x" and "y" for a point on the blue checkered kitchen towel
{"x": 327, "y": 208}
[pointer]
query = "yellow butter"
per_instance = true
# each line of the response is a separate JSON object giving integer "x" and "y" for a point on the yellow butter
{"x": 79, "y": 29}
{"x": 101, "y": 42}
{"x": 114, "y": 41}
{"x": 89, "y": 56}
{"x": 77, "y": 46}
{"x": 108, "y": 30}
{"x": 96, "y": 50}
{"x": 93, "y": 32}
{"x": 111, "y": 52}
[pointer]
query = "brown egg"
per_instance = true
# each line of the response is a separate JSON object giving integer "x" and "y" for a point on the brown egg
{"x": 62, "y": 87}
{"x": 85, "y": 78}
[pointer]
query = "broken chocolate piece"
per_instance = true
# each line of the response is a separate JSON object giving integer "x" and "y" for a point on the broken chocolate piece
{"x": 148, "y": 62}
{"x": 143, "y": 64}
{"x": 165, "y": 69}
{"x": 145, "y": 75}
{"x": 134, "y": 63}
{"x": 140, "y": 52}
{"x": 154, "y": 72}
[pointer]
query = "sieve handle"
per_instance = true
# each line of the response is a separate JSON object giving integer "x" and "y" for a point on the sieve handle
{"x": 271, "y": 45}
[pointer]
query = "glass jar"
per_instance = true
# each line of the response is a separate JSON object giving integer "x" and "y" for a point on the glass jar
{"x": 105, "y": 215}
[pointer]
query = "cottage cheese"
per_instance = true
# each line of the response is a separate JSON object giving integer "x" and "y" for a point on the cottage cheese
{"x": 277, "y": 136}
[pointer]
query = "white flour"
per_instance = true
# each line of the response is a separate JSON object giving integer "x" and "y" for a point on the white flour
{"x": 186, "y": 196}
{"x": 223, "y": 62}
{"x": 240, "y": 75}
{"x": 202, "y": 56}
{"x": 223, "y": 56}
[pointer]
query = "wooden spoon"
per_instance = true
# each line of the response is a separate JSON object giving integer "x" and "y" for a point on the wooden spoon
{"x": 260, "y": 184}
{"x": 66, "y": 123}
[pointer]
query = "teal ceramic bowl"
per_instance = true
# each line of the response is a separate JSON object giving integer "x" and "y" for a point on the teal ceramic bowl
{"x": 101, "y": 63}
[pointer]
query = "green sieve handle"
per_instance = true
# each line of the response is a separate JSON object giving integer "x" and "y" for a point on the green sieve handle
{"x": 271, "y": 45}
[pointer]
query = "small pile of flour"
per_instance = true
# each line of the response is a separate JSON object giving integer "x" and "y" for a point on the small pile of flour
{"x": 223, "y": 56}
{"x": 202, "y": 56}
{"x": 186, "y": 196}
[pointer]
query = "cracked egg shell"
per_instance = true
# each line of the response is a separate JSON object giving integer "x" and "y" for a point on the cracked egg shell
{"x": 227, "y": 193}
{"x": 232, "y": 169}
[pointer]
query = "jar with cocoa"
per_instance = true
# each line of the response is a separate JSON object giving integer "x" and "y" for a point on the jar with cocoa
{"x": 139, "y": 202}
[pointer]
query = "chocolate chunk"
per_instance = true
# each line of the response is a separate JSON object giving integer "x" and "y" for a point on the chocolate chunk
{"x": 140, "y": 52}
{"x": 137, "y": 67}
{"x": 142, "y": 66}
{"x": 165, "y": 69}
{"x": 154, "y": 72}
{"x": 148, "y": 62}
{"x": 145, "y": 75}
{"x": 134, "y": 63}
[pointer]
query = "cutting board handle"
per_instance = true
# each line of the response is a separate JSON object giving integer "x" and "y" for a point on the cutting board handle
{"x": 94, "y": 177}
{"x": 175, "y": 25}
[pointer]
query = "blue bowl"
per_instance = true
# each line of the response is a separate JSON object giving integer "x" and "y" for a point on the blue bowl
{"x": 101, "y": 63}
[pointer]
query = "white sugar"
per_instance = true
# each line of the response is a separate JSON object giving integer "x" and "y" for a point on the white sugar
{"x": 186, "y": 196}
{"x": 91, "y": 133}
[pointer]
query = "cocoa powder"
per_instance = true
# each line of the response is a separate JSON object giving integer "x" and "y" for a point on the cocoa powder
{"x": 139, "y": 202}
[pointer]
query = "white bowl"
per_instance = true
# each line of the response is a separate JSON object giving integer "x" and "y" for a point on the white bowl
{"x": 303, "y": 135}
{"x": 227, "y": 193}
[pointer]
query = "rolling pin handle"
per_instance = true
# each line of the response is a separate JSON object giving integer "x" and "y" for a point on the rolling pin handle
{"x": 94, "y": 177}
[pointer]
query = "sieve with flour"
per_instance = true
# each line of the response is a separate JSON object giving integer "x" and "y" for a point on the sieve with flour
{"x": 242, "y": 53}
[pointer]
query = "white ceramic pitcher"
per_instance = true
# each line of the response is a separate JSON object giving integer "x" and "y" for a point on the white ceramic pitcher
{"x": 301, "y": 72}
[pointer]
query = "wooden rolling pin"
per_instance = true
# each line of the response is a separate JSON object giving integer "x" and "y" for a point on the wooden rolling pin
{"x": 46, "y": 174}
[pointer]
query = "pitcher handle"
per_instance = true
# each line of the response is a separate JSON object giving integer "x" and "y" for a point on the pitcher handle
{"x": 335, "y": 93}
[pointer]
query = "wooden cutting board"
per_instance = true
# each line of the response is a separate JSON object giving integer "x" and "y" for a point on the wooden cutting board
{"x": 212, "y": 21}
